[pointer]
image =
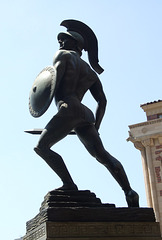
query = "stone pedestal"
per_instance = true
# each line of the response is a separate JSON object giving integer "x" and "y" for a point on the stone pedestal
{"x": 78, "y": 215}
{"x": 95, "y": 231}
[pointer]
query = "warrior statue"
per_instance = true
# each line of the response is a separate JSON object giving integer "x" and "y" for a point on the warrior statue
{"x": 67, "y": 81}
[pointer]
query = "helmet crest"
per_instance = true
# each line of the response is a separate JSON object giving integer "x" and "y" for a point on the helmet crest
{"x": 90, "y": 41}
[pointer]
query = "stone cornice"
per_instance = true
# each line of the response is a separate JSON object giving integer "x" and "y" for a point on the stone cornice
{"x": 142, "y": 138}
{"x": 145, "y": 123}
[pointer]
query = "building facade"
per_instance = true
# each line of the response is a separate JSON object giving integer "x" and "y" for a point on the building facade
{"x": 147, "y": 137}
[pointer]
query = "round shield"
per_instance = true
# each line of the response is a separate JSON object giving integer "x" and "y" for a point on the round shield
{"x": 42, "y": 92}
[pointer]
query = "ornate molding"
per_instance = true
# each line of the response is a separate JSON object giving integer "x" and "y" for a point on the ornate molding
{"x": 148, "y": 142}
{"x": 160, "y": 140}
{"x": 145, "y": 123}
{"x": 139, "y": 145}
{"x": 90, "y": 230}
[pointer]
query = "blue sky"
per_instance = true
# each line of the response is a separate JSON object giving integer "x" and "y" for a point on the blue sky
{"x": 130, "y": 51}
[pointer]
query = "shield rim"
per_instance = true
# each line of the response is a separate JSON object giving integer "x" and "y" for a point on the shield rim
{"x": 46, "y": 106}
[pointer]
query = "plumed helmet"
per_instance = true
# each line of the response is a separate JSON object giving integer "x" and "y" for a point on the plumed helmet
{"x": 76, "y": 36}
{"x": 80, "y": 30}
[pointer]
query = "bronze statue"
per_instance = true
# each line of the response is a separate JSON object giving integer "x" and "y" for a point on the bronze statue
{"x": 73, "y": 77}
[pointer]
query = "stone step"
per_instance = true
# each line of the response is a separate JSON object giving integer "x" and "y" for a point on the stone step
{"x": 74, "y": 204}
{"x": 58, "y": 198}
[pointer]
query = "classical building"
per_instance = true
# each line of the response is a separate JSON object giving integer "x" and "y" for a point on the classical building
{"x": 147, "y": 137}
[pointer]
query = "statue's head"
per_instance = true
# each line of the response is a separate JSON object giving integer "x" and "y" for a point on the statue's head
{"x": 62, "y": 36}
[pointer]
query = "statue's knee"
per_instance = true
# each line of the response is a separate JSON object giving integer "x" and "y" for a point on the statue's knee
{"x": 101, "y": 155}
{"x": 117, "y": 166}
{"x": 100, "y": 160}
{"x": 110, "y": 162}
{"x": 39, "y": 150}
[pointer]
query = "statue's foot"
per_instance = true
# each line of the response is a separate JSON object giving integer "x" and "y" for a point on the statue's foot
{"x": 68, "y": 187}
{"x": 132, "y": 198}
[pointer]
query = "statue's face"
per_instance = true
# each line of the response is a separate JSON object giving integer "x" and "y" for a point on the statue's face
{"x": 67, "y": 43}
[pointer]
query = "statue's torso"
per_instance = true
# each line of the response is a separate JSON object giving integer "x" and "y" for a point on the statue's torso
{"x": 78, "y": 77}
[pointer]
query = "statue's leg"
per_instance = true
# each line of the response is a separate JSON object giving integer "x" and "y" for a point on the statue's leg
{"x": 91, "y": 140}
{"x": 55, "y": 131}
{"x": 57, "y": 164}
